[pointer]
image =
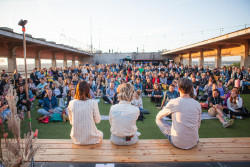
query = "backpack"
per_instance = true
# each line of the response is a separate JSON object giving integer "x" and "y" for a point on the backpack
{"x": 56, "y": 117}
{"x": 141, "y": 117}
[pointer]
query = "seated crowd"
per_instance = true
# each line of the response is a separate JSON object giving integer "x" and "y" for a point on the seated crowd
{"x": 173, "y": 88}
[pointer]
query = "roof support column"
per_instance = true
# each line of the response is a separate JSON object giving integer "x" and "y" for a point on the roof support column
{"x": 218, "y": 57}
{"x": 65, "y": 60}
{"x": 189, "y": 59}
{"x": 38, "y": 60}
{"x": 81, "y": 60}
{"x": 245, "y": 57}
{"x": 53, "y": 59}
{"x": 12, "y": 60}
{"x": 181, "y": 58}
{"x": 73, "y": 61}
{"x": 201, "y": 59}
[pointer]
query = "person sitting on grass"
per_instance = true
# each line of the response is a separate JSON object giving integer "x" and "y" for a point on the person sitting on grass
{"x": 163, "y": 81}
{"x": 22, "y": 101}
{"x": 216, "y": 110}
{"x": 210, "y": 91}
{"x": 195, "y": 85}
{"x": 157, "y": 95}
{"x": 148, "y": 88}
{"x": 229, "y": 94}
{"x": 65, "y": 113}
{"x": 4, "y": 111}
{"x": 170, "y": 94}
{"x": 174, "y": 82}
{"x": 66, "y": 88}
{"x": 156, "y": 79}
{"x": 238, "y": 75}
{"x": 246, "y": 80}
{"x": 99, "y": 89}
{"x": 186, "y": 118}
{"x": 137, "y": 101}
{"x": 138, "y": 84}
{"x": 234, "y": 105}
{"x": 222, "y": 89}
{"x": 123, "y": 117}
{"x": 56, "y": 89}
{"x": 108, "y": 98}
{"x": 50, "y": 105}
{"x": 202, "y": 82}
{"x": 50, "y": 78}
{"x": 40, "y": 88}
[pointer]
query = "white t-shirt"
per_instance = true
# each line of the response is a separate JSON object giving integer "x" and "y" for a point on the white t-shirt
{"x": 137, "y": 102}
{"x": 122, "y": 118}
{"x": 186, "y": 119}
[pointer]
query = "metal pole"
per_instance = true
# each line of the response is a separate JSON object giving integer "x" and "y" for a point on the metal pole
{"x": 26, "y": 78}
{"x": 27, "y": 88}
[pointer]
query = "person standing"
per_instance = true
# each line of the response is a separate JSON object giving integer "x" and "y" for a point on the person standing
{"x": 83, "y": 114}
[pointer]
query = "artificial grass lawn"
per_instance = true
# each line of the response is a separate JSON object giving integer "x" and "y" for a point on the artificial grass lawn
{"x": 148, "y": 129}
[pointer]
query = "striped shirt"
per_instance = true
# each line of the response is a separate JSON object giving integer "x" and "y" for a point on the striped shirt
{"x": 83, "y": 115}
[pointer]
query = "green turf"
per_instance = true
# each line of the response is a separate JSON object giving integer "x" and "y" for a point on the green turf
{"x": 148, "y": 128}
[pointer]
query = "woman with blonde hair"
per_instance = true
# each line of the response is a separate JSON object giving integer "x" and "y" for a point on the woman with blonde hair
{"x": 123, "y": 116}
{"x": 66, "y": 88}
{"x": 83, "y": 114}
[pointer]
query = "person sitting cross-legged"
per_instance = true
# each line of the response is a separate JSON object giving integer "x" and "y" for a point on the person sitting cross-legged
{"x": 216, "y": 110}
{"x": 137, "y": 101}
{"x": 138, "y": 84}
{"x": 170, "y": 94}
{"x": 123, "y": 117}
{"x": 50, "y": 105}
{"x": 157, "y": 95}
{"x": 110, "y": 93}
{"x": 83, "y": 115}
{"x": 186, "y": 118}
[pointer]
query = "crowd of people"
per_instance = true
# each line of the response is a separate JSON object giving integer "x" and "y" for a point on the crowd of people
{"x": 62, "y": 92}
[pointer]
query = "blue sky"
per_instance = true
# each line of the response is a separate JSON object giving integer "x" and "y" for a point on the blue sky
{"x": 125, "y": 25}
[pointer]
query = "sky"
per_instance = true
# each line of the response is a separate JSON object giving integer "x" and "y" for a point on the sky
{"x": 125, "y": 25}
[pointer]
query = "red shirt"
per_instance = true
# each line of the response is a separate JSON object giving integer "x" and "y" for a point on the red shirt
{"x": 158, "y": 80}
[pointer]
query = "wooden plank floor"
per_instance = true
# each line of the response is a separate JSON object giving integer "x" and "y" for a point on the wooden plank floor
{"x": 208, "y": 149}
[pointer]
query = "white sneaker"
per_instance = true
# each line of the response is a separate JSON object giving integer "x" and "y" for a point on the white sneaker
{"x": 228, "y": 123}
{"x": 106, "y": 102}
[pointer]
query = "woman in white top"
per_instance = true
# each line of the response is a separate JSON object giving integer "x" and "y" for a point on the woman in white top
{"x": 234, "y": 104}
{"x": 66, "y": 88}
{"x": 123, "y": 117}
{"x": 83, "y": 114}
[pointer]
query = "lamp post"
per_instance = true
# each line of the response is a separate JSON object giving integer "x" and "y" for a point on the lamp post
{"x": 23, "y": 23}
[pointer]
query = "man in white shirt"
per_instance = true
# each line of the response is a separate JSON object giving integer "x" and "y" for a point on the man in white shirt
{"x": 186, "y": 118}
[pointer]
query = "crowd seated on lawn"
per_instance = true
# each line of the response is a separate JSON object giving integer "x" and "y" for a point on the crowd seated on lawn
{"x": 56, "y": 87}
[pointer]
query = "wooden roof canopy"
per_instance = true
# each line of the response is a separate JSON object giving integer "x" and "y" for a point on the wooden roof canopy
{"x": 232, "y": 39}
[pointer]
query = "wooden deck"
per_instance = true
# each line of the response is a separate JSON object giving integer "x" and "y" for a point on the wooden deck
{"x": 208, "y": 149}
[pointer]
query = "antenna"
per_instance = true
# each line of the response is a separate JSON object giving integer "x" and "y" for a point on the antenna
{"x": 99, "y": 39}
{"x": 91, "y": 44}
